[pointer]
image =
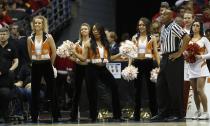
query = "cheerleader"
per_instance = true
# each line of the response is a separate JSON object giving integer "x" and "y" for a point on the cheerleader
{"x": 80, "y": 70}
{"x": 96, "y": 52}
{"x": 147, "y": 51}
{"x": 198, "y": 71}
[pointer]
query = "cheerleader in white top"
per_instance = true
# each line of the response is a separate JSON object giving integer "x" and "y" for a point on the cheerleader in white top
{"x": 96, "y": 53}
{"x": 147, "y": 52}
{"x": 198, "y": 71}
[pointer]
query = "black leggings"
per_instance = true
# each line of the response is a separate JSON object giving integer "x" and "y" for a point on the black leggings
{"x": 43, "y": 69}
{"x": 144, "y": 68}
{"x": 95, "y": 72}
{"x": 79, "y": 78}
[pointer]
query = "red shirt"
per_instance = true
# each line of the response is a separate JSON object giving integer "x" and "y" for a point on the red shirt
{"x": 36, "y": 4}
{"x": 63, "y": 63}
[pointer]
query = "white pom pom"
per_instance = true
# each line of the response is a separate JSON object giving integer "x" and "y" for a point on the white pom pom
{"x": 154, "y": 74}
{"x": 128, "y": 49}
{"x": 130, "y": 73}
{"x": 65, "y": 49}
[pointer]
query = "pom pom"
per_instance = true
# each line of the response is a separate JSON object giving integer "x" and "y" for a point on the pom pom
{"x": 65, "y": 50}
{"x": 130, "y": 73}
{"x": 191, "y": 50}
{"x": 129, "y": 49}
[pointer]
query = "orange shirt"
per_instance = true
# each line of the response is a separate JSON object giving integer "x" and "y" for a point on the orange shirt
{"x": 45, "y": 49}
{"x": 95, "y": 58}
{"x": 78, "y": 49}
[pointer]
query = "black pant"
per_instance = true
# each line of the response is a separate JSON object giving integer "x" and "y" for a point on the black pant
{"x": 5, "y": 96}
{"x": 79, "y": 77}
{"x": 144, "y": 68}
{"x": 43, "y": 69}
{"x": 63, "y": 88}
{"x": 170, "y": 87}
{"x": 60, "y": 84}
{"x": 95, "y": 72}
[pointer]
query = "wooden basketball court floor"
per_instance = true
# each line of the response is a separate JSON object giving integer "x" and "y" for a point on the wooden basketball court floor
{"x": 126, "y": 123}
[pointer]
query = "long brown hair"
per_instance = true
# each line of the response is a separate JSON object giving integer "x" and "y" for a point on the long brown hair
{"x": 147, "y": 23}
{"x": 104, "y": 40}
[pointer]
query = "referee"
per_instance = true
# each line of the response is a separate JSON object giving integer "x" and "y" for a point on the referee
{"x": 171, "y": 75}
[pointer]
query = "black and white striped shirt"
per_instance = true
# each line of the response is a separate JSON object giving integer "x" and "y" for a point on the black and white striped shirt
{"x": 170, "y": 37}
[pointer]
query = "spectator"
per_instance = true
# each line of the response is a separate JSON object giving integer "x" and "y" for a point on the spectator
{"x": 163, "y": 5}
{"x": 181, "y": 10}
{"x": 21, "y": 5}
{"x": 114, "y": 46}
{"x": 24, "y": 81}
{"x": 37, "y": 4}
{"x": 8, "y": 63}
{"x": 4, "y": 17}
{"x": 155, "y": 30}
{"x": 5, "y": 88}
{"x": 206, "y": 17}
{"x": 19, "y": 40}
{"x": 8, "y": 50}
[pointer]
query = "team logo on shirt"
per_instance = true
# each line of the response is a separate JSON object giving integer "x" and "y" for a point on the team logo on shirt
{"x": 9, "y": 50}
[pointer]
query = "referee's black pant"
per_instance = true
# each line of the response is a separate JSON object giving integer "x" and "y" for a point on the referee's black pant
{"x": 170, "y": 87}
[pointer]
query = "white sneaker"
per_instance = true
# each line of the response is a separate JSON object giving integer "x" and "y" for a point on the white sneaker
{"x": 196, "y": 115}
{"x": 204, "y": 116}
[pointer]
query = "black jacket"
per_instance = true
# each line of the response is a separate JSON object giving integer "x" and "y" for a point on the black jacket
{"x": 114, "y": 49}
{"x": 6, "y": 75}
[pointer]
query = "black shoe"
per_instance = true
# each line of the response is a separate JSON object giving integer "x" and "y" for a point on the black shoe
{"x": 93, "y": 120}
{"x": 136, "y": 119}
{"x": 174, "y": 119}
{"x": 118, "y": 120}
{"x": 7, "y": 120}
{"x": 73, "y": 120}
{"x": 55, "y": 120}
{"x": 158, "y": 118}
{"x": 34, "y": 121}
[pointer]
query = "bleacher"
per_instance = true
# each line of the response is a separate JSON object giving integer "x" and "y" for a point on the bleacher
{"x": 58, "y": 13}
